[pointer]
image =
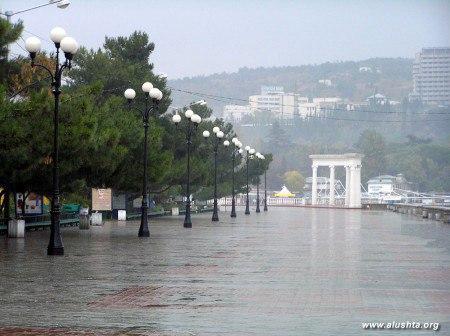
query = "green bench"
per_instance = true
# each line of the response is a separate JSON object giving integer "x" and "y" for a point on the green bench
{"x": 42, "y": 221}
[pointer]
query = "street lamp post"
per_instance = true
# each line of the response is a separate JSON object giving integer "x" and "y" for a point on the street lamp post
{"x": 257, "y": 191}
{"x": 9, "y": 14}
{"x": 235, "y": 151}
{"x": 59, "y": 3}
{"x": 219, "y": 135}
{"x": 192, "y": 124}
{"x": 261, "y": 157}
{"x": 250, "y": 152}
{"x": 69, "y": 46}
{"x": 155, "y": 95}
{"x": 265, "y": 189}
{"x": 257, "y": 196}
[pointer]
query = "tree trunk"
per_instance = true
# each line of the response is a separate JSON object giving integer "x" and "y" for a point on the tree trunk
{"x": 24, "y": 197}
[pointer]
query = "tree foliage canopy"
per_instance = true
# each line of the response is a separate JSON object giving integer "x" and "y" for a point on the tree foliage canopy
{"x": 101, "y": 136}
{"x": 9, "y": 33}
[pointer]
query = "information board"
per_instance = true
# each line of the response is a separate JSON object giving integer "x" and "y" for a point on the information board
{"x": 101, "y": 199}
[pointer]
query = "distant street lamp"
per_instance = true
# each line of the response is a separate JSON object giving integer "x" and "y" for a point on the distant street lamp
{"x": 219, "y": 135}
{"x": 59, "y": 3}
{"x": 62, "y": 4}
{"x": 260, "y": 157}
{"x": 69, "y": 46}
{"x": 236, "y": 150}
{"x": 192, "y": 124}
{"x": 250, "y": 152}
{"x": 265, "y": 185}
{"x": 155, "y": 95}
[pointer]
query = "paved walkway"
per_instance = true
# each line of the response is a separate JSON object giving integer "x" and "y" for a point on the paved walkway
{"x": 286, "y": 272}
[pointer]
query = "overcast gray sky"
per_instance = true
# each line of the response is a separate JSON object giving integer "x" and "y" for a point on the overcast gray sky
{"x": 203, "y": 37}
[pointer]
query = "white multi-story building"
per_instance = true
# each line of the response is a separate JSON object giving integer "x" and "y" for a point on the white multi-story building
{"x": 431, "y": 75}
{"x": 274, "y": 100}
{"x": 235, "y": 113}
{"x": 271, "y": 89}
{"x": 318, "y": 106}
{"x": 377, "y": 99}
{"x": 268, "y": 102}
{"x": 326, "y": 82}
{"x": 307, "y": 109}
{"x": 327, "y": 100}
{"x": 288, "y": 105}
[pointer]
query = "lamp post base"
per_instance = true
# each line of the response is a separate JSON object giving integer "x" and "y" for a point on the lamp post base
{"x": 143, "y": 229}
{"x": 233, "y": 208}
{"x": 265, "y": 207}
{"x": 247, "y": 210}
{"x": 187, "y": 223}
{"x": 143, "y": 233}
{"x": 187, "y": 217}
{"x": 55, "y": 245}
{"x": 55, "y": 250}
{"x": 215, "y": 217}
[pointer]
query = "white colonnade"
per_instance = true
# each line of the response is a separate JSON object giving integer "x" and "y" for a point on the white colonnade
{"x": 352, "y": 164}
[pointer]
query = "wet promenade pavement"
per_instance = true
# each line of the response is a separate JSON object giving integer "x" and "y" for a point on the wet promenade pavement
{"x": 291, "y": 271}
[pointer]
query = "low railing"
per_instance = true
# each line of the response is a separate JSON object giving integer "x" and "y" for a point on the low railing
{"x": 47, "y": 217}
{"x": 37, "y": 221}
{"x": 41, "y": 221}
{"x": 288, "y": 201}
{"x": 136, "y": 215}
{"x": 197, "y": 208}
{"x": 425, "y": 211}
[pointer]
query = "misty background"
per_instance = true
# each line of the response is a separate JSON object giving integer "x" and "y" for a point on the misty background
{"x": 224, "y": 51}
{"x": 198, "y": 37}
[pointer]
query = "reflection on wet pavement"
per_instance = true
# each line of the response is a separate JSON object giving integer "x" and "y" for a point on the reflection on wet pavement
{"x": 290, "y": 271}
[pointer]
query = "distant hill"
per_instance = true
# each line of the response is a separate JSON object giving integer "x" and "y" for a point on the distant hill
{"x": 389, "y": 76}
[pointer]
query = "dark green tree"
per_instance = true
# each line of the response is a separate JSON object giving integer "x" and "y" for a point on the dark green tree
{"x": 372, "y": 145}
{"x": 101, "y": 136}
{"x": 9, "y": 33}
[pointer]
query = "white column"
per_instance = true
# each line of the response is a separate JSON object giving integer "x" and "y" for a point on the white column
{"x": 351, "y": 188}
{"x": 314, "y": 186}
{"x": 331, "y": 199}
{"x": 347, "y": 186}
{"x": 357, "y": 188}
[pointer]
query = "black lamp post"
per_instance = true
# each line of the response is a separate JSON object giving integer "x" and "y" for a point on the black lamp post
{"x": 192, "y": 124}
{"x": 235, "y": 151}
{"x": 219, "y": 135}
{"x": 257, "y": 196}
{"x": 250, "y": 152}
{"x": 260, "y": 157}
{"x": 69, "y": 46}
{"x": 155, "y": 95}
{"x": 265, "y": 190}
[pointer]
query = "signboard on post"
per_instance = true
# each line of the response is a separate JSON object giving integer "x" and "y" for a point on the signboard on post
{"x": 101, "y": 199}
{"x": 33, "y": 204}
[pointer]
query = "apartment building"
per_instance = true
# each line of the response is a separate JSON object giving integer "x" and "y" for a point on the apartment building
{"x": 431, "y": 75}
{"x": 274, "y": 100}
